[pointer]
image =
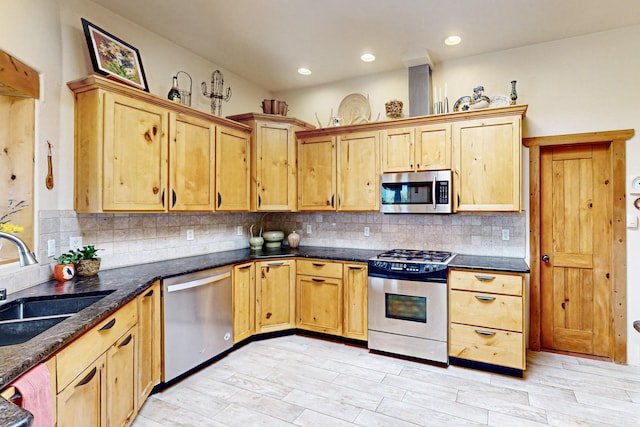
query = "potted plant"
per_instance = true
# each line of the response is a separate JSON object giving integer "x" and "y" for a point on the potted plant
{"x": 66, "y": 268}
{"x": 88, "y": 262}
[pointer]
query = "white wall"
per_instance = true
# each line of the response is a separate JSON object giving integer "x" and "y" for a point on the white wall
{"x": 575, "y": 85}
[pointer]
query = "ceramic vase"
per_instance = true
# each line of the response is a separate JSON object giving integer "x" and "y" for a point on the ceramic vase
{"x": 88, "y": 267}
{"x": 293, "y": 239}
{"x": 62, "y": 272}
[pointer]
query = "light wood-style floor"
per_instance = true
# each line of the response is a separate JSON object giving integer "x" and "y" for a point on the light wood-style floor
{"x": 302, "y": 381}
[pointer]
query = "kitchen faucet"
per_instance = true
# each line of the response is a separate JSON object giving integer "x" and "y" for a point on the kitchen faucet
{"x": 26, "y": 256}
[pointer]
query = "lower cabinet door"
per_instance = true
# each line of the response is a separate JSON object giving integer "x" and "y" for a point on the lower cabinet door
{"x": 121, "y": 380}
{"x": 355, "y": 301}
{"x": 320, "y": 304}
{"x": 80, "y": 403}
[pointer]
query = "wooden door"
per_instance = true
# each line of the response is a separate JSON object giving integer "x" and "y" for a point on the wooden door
{"x": 433, "y": 147}
{"x": 232, "y": 170}
{"x": 135, "y": 155}
{"x": 355, "y": 301}
{"x": 121, "y": 380}
{"x": 244, "y": 301}
{"x": 486, "y": 158}
{"x": 317, "y": 174}
{"x": 397, "y": 146}
{"x": 276, "y": 167}
{"x": 191, "y": 154}
{"x": 149, "y": 346}
{"x": 80, "y": 404}
{"x": 319, "y": 304}
{"x": 576, "y": 268}
{"x": 359, "y": 172}
{"x": 275, "y": 296}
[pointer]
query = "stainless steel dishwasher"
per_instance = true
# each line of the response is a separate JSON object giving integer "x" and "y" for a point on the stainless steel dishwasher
{"x": 198, "y": 321}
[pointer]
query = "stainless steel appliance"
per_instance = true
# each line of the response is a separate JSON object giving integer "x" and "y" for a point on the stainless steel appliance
{"x": 416, "y": 192}
{"x": 408, "y": 303}
{"x": 198, "y": 321}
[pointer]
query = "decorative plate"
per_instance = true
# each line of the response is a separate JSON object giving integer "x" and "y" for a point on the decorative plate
{"x": 462, "y": 104}
{"x": 499, "y": 101}
{"x": 354, "y": 107}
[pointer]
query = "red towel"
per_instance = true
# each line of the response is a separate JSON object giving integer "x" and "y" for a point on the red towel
{"x": 36, "y": 395}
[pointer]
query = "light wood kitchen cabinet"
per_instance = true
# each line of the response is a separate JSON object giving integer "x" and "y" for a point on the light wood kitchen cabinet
{"x": 355, "y": 313}
{"x": 149, "y": 342}
{"x": 136, "y": 152}
{"x": 275, "y": 295}
{"x": 317, "y": 173}
{"x": 414, "y": 149}
{"x": 487, "y": 164}
{"x": 232, "y": 170}
{"x": 339, "y": 172}
{"x": 96, "y": 373}
{"x": 244, "y": 301}
{"x": 359, "y": 171}
{"x": 273, "y": 160}
{"x": 487, "y": 317}
{"x": 319, "y": 296}
{"x": 192, "y": 144}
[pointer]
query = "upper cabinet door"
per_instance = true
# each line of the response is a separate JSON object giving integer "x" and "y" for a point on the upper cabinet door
{"x": 275, "y": 172}
{"x": 232, "y": 170}
{"x": 191, "y": 154}
{"x": 398, "y": 154}
{"x": 359, "y": 171}
{"x": 433, "y": 147}
{"x": 317, "y": 174}
{"x": 487, "y": 165}
{"x": 135, "y": 155}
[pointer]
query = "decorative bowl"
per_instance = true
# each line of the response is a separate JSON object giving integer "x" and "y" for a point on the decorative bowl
{"x": 273, "y": 239}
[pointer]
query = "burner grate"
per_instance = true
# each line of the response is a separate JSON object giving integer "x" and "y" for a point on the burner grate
{"x": 415, "y": 255}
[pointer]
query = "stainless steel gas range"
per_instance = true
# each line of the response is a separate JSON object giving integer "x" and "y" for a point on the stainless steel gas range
{"x": 408, "y": 303}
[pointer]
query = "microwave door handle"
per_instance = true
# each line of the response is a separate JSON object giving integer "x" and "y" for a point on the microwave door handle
{"x": 433, "y": 193}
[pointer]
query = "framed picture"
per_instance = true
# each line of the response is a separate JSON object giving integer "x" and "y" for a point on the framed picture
{"x": 113, "y": 57}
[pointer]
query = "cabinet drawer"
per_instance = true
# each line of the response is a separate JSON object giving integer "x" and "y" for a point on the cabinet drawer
{"x": 320, "y": 268}
{"x": 489, "y": 310}
{"x": 74, "y": 358}
{"x": 483, "y": 281}
{"x": 487, "y": 345}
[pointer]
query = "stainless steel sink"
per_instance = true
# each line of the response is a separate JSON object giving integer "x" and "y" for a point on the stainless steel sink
{"x": 24, "y": 318}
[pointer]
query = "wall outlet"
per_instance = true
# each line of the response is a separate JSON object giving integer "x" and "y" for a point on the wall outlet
{"x": 308, "y": 228}
{"x": 505, "y": 234}
{"x": 190, "y": 234}
{"x": 51, "y": 247}
{"x": 239, "y": 230}
{"x": 366, "y": 232}
{"x": 75, "y": 242}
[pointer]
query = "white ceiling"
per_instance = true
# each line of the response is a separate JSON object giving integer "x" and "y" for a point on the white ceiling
{"x": 266, "y": 41}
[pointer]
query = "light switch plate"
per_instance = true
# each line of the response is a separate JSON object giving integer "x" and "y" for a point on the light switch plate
{"x": 51, "y": 247}
{"x": 190, "y": 234}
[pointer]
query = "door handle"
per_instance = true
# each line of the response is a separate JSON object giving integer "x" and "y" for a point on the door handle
{"x": 88, "y": 378}
{"x": 545, "y": 258}
{"x": 174, "y": 198}
{"x": 219, "y": 199}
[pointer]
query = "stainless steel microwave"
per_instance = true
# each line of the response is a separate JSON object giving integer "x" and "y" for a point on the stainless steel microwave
{"x": 416, "y": 192}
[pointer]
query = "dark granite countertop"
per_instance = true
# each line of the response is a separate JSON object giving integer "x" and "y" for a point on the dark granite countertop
{"x": 128, "y": 282}
{"x": 475, "y": 262}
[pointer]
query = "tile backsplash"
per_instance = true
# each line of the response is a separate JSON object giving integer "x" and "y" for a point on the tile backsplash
{"x": 126, "y": 239}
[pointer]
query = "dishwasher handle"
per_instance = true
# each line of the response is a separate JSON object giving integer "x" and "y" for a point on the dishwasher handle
{"x": 197, "y": 283}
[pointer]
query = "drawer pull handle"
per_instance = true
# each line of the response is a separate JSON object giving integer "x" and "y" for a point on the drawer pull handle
{"x": 483, "y": 298}
{"x": 109, "y": 325}
{"x": 484, "y": 278}
{"x": 318, "y": 264}
{"x": 487, "y": 333}
{"x": 317, "y": 280}
{"x": 148, "y": 294}
{"x": 351, "y": 267}
{"x": 275, "y": 264}
{"x": 244, "y": 267}
{"x": 126, "y": 341}
{"x": 88, "y": 378}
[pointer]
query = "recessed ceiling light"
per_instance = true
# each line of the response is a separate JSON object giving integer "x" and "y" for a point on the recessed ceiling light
{"x": 304, "y": 71}
{"x": 452, "y": 40}
{"x": 368, "y": 57}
